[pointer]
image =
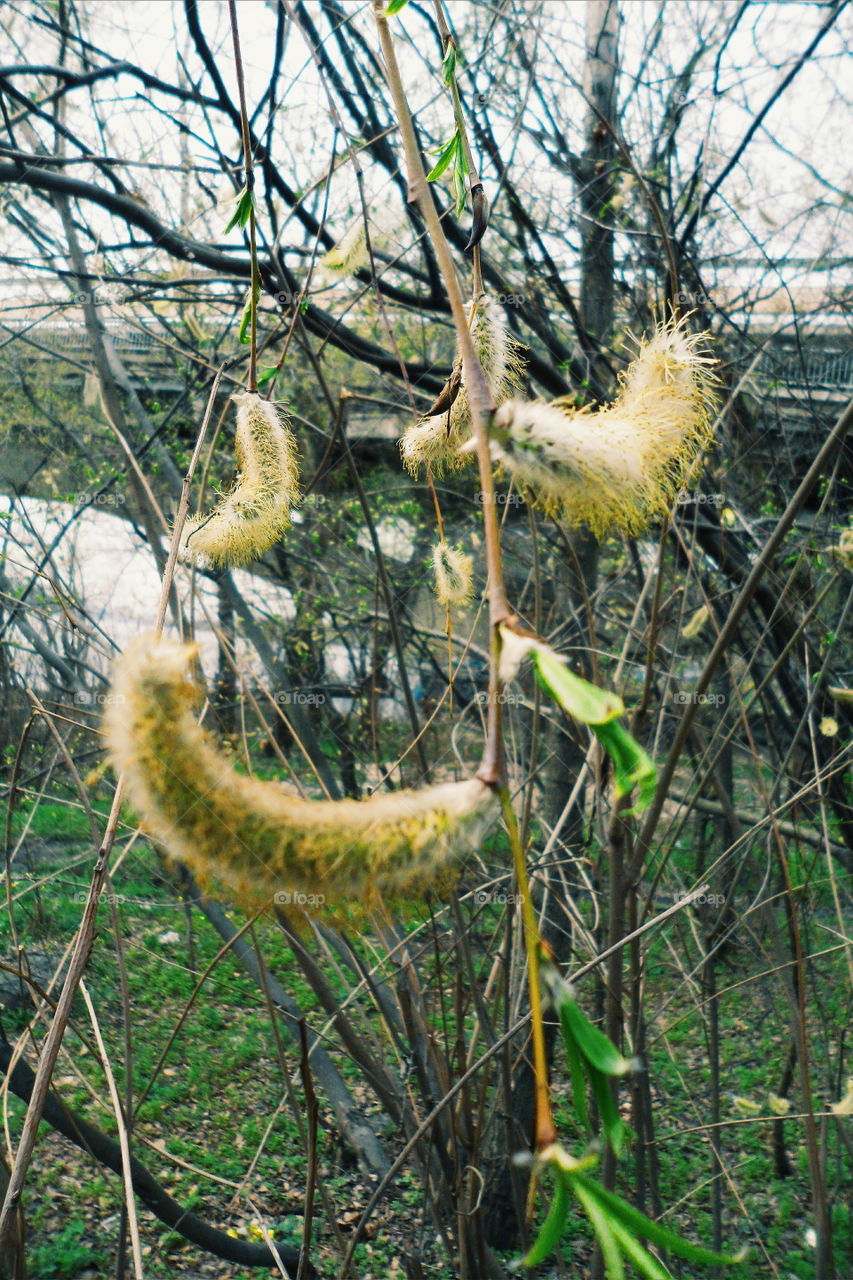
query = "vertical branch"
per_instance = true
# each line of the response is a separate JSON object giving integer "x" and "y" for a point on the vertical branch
{"x": 479, "y": 394}
{"x": 492, "y": 767}
{"x": 249, "y": 172}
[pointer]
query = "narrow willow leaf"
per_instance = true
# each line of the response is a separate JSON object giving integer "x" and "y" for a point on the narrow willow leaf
{"x": 555, "y": 1223}
{"x": 448, "y": 66}
{"x": 394, "y": 6}
{"x": 445, "y": 158}
{"x": 244, "y": 335}
{"x": 611, "y": 1121}
{"x": 244, "y": 207}
{"x": 632, "y": 765}
{"x": 594, "y": 1045}
{"x": 604, "y": 1232}
{"x": 576, "y": 1071}
{"x": 639, "y": 1225}
{"x": 584, "y": 701}
{"x": 267, "y": 376}
{"x": 460, "y": 190}
{"x": 649, "y": 1266}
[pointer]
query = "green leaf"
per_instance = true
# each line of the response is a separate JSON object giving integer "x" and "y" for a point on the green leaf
{"x": 594, "y": 1045}
{"x": 448, "y": 66}
{"x": 244, "y": 207}
{"x": 611, "y": 1121}
{"x": 632, "y": 765}
{"x": 445, "y": 159}
{"x": 576, "y": 1071}
{"x": 394, "y": 6}
{"x": 267, "y": 376}
{"x": 639, "y": 1225}
{"x": 554, "y": 1225}
{"x": 603, "y": 1231}
{"x": 244, "y": 335}
{"x": 584, "y": 701}
{"x": 460, "y": 189}
{"x": 646, "y": 1263}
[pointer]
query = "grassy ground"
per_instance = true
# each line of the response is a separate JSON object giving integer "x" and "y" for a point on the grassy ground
{"x": 216, "y": 1127}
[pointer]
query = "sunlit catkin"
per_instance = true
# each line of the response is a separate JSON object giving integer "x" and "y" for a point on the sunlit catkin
{"x": 437, "y": 439}
{"x": 620, "y": 467}
{"x": 454, "y": 575}
{"x": 249, "y": 519}
{"x": 255, "y": 837}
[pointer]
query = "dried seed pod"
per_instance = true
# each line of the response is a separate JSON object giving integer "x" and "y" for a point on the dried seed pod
{"x": 249, "y": 519}
{"x": 437, "y": 438}
{"x": 454, "y": 575}
{"x": 618, "y": 468}
{"x": 255, "y": 836}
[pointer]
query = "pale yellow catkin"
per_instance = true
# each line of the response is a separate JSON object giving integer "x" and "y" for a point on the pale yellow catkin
{"x": 255, "y": 837}
{"x": 248, "y": 520}
{"x": 454, "y": 575}
{"x": 349, "y": 254}
{"x": 620, "y": 467}
{"x": 437, "y": 440}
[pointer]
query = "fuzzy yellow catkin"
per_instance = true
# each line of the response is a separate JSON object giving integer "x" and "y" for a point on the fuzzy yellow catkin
{"x": 620, "y": 467}
{"x": 454, "y": 575}
{"x": 248, "y": 520}
{"x": 436, "y": 440}
{"x": 256, "y": 837}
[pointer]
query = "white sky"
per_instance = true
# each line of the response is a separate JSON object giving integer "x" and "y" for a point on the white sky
{"x": 772, "y": 196}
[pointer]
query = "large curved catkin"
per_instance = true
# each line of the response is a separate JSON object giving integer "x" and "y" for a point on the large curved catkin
{"x": 620, "y": 467}
{"x": 437, "y": 439}
{"x": 255, "y": 836}
{"x": 249, "y": 519}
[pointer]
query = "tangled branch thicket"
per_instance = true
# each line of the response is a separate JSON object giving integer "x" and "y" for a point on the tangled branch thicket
{"x": 375, "y": 1060}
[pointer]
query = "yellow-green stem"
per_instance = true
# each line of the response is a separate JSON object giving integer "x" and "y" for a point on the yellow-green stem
{"x": 545, "y": 1133}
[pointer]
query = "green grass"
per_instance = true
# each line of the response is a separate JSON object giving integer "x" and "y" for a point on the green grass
{"x": 221, "y": 1081}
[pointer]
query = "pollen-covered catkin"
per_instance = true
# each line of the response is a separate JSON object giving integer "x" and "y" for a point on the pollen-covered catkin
{"x": 620, "y": 467}
{"x": 454, "y": 575}
{"x": 437, "y": 439}
{"x": 255, "y": 836}
{"x": 254, "y": 515}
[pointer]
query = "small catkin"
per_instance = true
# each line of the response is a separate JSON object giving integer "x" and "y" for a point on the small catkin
{"x": 842, "y": 552}
{"x": 349, "y": 254}
{"x": 454, "y": 575}
{"x": 249, "y": 519}
{"x": 620, "y": 467}
{"x": 437, "y": 440}
{"x": 256, "y": 837}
